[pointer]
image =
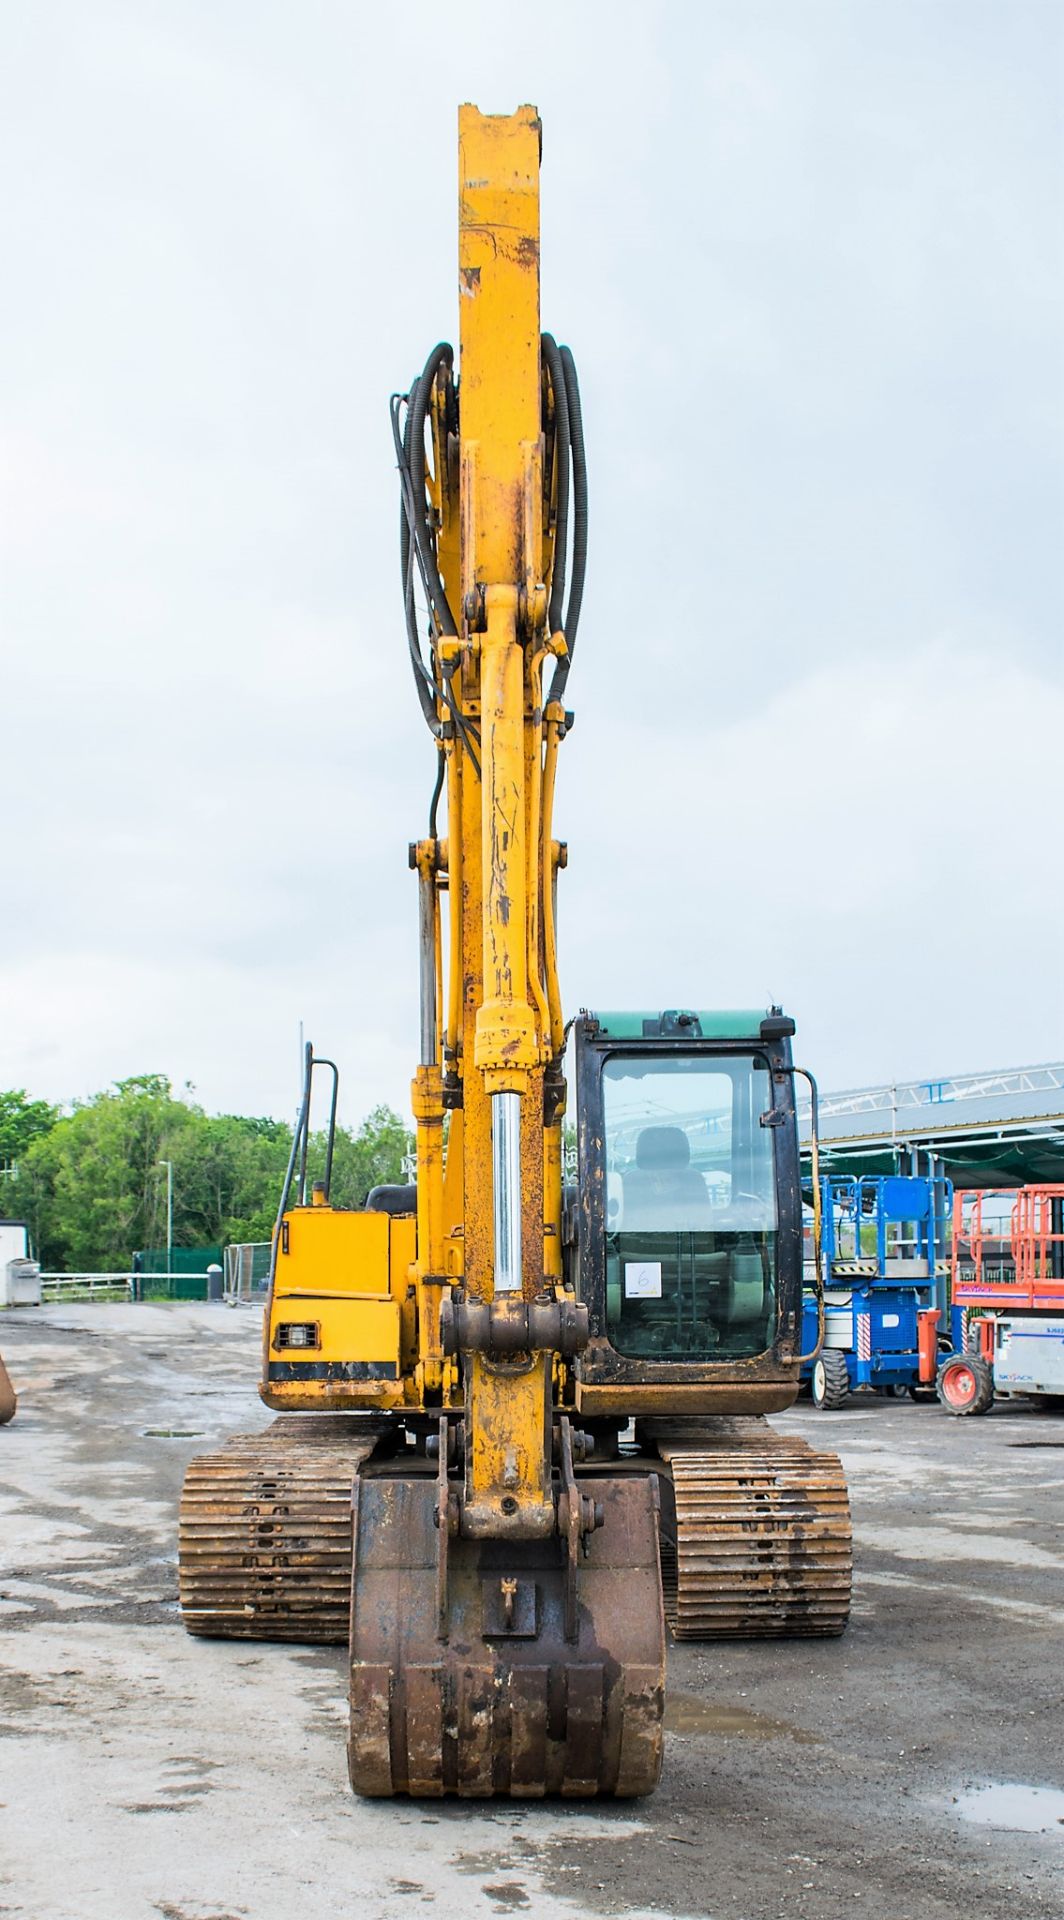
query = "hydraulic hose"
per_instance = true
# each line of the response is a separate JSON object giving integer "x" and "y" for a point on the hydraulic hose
{"x": 422, "y": 676}
{"x": 576, "y": 589}
{"x": 416, "y": 537}
{"x": 556, "y": 374}
{"x": 434, "y": 803}
{"x": 441, "y": 359}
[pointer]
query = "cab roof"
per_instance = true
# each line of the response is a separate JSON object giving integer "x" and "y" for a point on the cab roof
{"x": 676, "y": 1023}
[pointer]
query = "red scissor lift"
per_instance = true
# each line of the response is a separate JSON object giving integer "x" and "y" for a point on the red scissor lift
{"x": 1006, "y": 1297}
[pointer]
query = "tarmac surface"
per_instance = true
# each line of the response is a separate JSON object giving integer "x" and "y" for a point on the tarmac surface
{"x": 912, "y": 1770}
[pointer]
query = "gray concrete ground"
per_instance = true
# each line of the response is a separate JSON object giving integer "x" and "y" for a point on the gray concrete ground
{"x": 145, "y": 1775}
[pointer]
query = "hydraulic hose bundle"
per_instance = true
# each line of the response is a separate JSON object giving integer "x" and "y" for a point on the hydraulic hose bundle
{"x": 433, "y": 400}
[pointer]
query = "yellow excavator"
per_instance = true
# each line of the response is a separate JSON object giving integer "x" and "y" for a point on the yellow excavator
{"x": 521, "y": 1401}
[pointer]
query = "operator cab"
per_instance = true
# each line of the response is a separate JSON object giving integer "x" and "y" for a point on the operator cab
{"x": 685, "y": 1224}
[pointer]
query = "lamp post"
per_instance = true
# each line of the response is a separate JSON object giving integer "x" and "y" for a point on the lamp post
{"x": 169, "y": 1165}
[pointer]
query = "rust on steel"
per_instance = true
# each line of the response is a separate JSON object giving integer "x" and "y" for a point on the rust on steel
{"x": 8, "y": 1396}
{"x": 501, "y": 1701}
{"x": 756, "y": 1536}
{"x": 265, "y": 1531}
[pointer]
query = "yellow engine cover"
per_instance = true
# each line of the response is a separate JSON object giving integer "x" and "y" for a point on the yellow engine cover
{"x": 339, "y": 1327}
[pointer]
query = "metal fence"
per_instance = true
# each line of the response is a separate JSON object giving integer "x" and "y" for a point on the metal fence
{"x": 86, "y": 1286}
{"x": 247, "y": 1269}
{"x": 124, "y": 1286}
{"x": 174, "y": 1260}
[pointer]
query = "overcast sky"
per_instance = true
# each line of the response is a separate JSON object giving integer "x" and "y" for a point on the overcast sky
{"x": 808, "y": 255}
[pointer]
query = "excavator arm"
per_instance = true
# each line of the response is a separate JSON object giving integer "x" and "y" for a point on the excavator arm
{"x": 498, "y": 1640}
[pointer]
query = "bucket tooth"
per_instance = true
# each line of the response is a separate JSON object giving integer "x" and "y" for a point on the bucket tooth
{"x": 488, "y": 1695}
{"x": 424, "y": 1721}
{"x": 528, "y": 1731}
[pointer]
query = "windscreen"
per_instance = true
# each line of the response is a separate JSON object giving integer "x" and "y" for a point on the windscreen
{"x": 690, "y": 1207}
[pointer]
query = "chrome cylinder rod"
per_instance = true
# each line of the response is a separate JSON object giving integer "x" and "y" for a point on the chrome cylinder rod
{"x": 506, "y": 1189}
{"x": 426, "y": 900}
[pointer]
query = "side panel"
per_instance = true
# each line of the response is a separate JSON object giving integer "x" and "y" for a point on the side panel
{"x": 1029, "y": 1355}
{"x": 338, "y": 1319}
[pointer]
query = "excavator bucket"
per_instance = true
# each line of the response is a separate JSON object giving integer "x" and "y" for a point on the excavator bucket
{"x": 483, "y": 1667}
{"x": 8, "y": 1400}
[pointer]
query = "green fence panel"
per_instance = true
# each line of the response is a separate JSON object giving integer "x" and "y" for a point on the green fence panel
{"x": 179, "y": 1259}
{"x": 185, "y": 1287}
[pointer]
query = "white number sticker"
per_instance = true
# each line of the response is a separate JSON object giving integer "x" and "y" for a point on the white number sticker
{"x": 642, "y": 1280}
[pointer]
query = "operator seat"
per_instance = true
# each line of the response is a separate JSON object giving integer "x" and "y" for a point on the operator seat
{"x": 663, "y": 1189}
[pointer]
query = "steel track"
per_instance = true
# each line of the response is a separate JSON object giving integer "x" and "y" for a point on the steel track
{"x": 756, "y": 1541}
{"x": 760, "y": 1540}
{"x": 265, "y": 1531}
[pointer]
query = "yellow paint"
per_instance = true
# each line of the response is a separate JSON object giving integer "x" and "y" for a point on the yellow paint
{"x": 504, "y": 544}
{"x": 508, "y": 1459}
{"x": 506, "y": 1043}
{"x": 333, "y": 1252}
{"x": 374, "y": 1284}
{"x": 348, "y": 1275}
{"x": 498, "y": 281}
{"x": 349, "y": 1329}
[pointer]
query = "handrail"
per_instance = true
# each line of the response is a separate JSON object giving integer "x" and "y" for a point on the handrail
{"x": 818, "y": 1283}
{"x": 301, "y": 1145}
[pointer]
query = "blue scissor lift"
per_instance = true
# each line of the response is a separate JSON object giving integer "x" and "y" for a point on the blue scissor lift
{"x": 886, "y": 1272}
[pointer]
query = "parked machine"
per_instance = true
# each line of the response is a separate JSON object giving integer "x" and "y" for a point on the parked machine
{"x": 468, "y": 1353}
{"x": 885, "y": 1277}
{"x": 8, "y": 1397}
{"x": 1007, "y": 1292}
{"x": 20, "y": 1286}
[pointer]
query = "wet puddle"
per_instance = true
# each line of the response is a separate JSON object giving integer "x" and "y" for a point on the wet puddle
{"x": 1020, "y": 1809}
{"x": 687, "y": 1713}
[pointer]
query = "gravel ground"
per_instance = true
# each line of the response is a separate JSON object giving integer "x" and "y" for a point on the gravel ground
{"x": 147, "y": 1775}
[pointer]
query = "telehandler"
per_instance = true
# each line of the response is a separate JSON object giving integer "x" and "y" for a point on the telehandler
{"x": 522, "y": 1402}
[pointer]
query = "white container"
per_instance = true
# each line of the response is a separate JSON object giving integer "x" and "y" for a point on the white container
{"x": 20, "y": 1284}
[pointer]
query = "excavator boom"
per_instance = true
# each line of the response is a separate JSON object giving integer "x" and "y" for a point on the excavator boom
{"x": 507, "y": 1629}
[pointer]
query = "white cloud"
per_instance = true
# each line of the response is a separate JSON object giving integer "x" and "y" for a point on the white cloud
{"x": 806, "y": 256}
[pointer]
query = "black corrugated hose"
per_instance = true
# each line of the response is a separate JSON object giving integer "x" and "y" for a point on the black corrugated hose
{"x": 576, "y": 590}
{"x": 562, "y": 462}
{"x": 417, "y": 537}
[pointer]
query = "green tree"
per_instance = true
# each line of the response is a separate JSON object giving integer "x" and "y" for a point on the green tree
{"x": 93, "y": 1189}
{"x": 93, "y": 1185}
{"x": 21, "y": 1122}
{"x": 372, "y": 1157}
{"x": 228, "y": 1170}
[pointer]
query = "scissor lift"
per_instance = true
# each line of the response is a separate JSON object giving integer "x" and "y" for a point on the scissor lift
{"x": 885, "y": 1280}
{"x": 1007, "y": 1295}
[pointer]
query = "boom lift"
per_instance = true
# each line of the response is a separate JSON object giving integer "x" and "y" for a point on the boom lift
{"x": 470, "y": 1353}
